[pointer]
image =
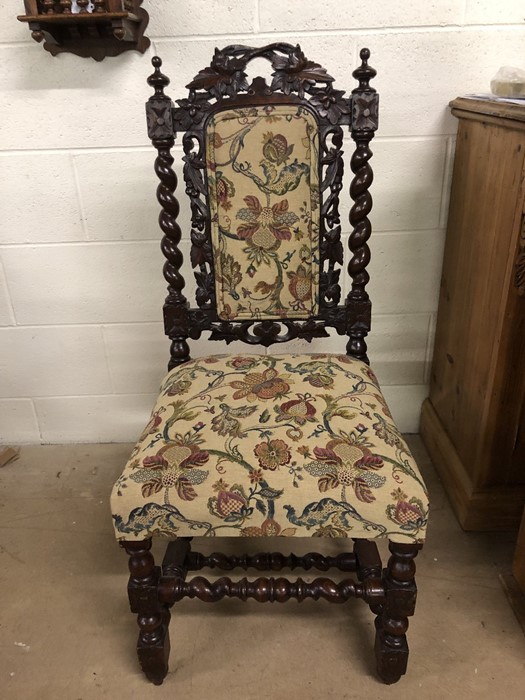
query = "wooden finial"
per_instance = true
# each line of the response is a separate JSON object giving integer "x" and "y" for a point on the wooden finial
{"x": 157, "y": 79}
{"x": 364, "y": 73}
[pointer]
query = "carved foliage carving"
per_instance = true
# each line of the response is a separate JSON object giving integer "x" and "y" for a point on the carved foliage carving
{"x": 158, "y": 115}
{"x": 365, "y": 108}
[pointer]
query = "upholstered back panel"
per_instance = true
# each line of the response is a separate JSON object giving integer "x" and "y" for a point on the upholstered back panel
{"x": 263, "y": 183}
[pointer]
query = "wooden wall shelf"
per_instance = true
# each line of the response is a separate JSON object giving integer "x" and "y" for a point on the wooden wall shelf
{"x": 91, "y": 29}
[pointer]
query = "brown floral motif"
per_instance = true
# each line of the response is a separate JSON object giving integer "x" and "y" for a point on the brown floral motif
{"x": 381, "y": 401}
{"x": 224, "y": 190}
{"x": 297, "y": 410}
{"x": 261, "y": 385}
{"x": 177, "y": 387}
{"x": 320, "y": 380}
{"x": 216, "y": 140}
{"x": 256, "y": 476}
{"x": 242, "y": 362}
{"x": 342, "y": 463}
{"x": 230, "y": 503}
{"x": 227, "y": 312}
{"x": 269, "y": 528}
{"x": 153, "y": 424}
{"x": 272, "y": 454}
{"x": 300, "y": 284}
{"x": 229, "y": 273}
{"x": 330, "y": 531}
{"x": 409, "y": 514}
{"x": 341, "y": 359}
{"x": 387, "y": 432}
{"x": 174, "y": 466}
{"x": 276, "y": 148}
{"x": 347, "y": 360}
{"x": 265, "y": 225}
{"x": 368, "y": 372}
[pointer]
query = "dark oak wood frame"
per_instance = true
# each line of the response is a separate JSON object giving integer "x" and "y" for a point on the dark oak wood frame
{"x": 390, "y": 592}
{"x": 223, "y": 84}
{"x": 113, "y": 27}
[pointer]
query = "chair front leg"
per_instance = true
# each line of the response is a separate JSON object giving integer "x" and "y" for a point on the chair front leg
{"x": 153, "y": 645}
{"x": 391, "y": 646}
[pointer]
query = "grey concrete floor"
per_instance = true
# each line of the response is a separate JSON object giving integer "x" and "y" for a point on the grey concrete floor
{"x": 66, "y": 631}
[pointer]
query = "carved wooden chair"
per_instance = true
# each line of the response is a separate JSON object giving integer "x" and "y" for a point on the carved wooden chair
{"x": 259, "y": 445}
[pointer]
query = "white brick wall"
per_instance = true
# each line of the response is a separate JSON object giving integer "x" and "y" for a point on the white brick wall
{"x": 81, "y": 342}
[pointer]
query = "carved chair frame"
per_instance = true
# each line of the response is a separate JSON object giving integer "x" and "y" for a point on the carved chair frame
{"x": 390, "y": 592}
{"x": 220, "y": 86}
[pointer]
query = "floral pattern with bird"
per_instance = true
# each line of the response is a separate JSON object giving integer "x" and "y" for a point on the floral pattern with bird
{"x": 281, "y": 445}
{"x": 262, "y": 171}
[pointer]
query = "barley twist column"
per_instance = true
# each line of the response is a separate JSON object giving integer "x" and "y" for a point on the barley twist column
{"x": 160, "y": 129}
{"x": 364, "y": 124}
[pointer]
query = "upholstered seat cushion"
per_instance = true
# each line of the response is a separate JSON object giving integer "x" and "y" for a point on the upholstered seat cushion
{"x": 256, "y": 445}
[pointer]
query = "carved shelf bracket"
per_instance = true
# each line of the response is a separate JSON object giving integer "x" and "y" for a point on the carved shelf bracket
{"x": 88, "y": 28}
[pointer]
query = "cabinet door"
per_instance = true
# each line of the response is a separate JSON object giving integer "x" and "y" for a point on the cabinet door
{"x": 506, "y": 410}
{"x": 517, "y": 465}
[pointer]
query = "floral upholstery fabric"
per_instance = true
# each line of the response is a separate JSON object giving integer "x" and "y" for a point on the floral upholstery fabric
{"x": 256, "y": 445}
{"x": 262, "y": 169}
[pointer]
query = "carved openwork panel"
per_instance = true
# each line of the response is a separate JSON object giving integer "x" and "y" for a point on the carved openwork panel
{"x": 301, "y": 295}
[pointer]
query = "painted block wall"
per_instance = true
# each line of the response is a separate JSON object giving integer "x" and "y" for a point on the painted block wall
{"x": 81, "y": 343}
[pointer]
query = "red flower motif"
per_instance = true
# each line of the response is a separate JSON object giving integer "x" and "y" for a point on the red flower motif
{"x": 174, "y": 466}
{"x": 224, "y": 190}
{"x": 242, "y": 362}
{"x": 270, "y": 223}
{"x": 407, "y": 513}
{"x": 153, "y": 424}
{"x": 229, "y": 502}
{"x": 276, "y": 148}
{"x": 320, "y": 380}
{"x": 261, "y": 385}
{"x": 300, "y": 284}
{"x": 297, "y": 410}
{"x": 344, "y": 464}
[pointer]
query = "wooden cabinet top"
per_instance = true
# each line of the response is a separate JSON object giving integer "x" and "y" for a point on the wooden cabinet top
{"x": 471, "y": 108}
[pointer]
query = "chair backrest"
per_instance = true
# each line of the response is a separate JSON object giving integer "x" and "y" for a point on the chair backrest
{"x": 263, "y": 169}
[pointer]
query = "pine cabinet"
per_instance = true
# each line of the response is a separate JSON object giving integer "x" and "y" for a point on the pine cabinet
{"x": 473, "y": 422}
